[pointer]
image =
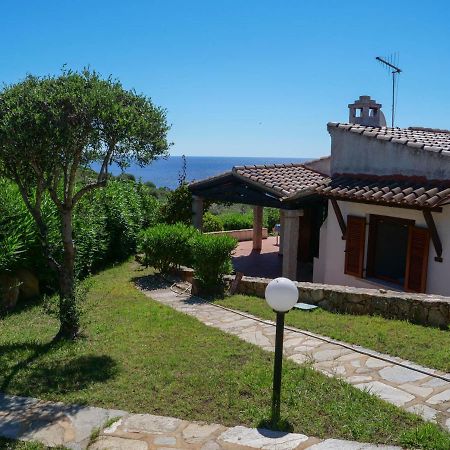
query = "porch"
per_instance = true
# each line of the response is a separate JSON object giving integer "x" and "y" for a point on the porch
{"x": 288, "y": 188}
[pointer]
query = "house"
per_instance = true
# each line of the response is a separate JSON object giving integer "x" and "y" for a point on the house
{"x": 375, "y": 213}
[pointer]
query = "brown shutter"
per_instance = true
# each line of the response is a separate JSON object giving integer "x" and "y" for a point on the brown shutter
{"x": 354, "y": 247}
{"x": 417, "y": 259}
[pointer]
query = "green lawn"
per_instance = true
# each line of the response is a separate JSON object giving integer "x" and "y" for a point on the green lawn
{"x": 424, "y": 345}
{"x": 141, "y": 356}
{"x": 10, "y": 444}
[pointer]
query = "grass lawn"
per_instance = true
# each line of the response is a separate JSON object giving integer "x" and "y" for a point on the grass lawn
{"x": 424, "y": 345}
{"x": 141, "y": 356}
{"x": 10, "y": 444}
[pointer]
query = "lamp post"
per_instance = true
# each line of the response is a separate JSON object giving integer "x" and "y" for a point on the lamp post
{"x": 281, "y": 295}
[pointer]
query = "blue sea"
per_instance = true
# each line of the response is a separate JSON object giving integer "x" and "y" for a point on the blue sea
{"x": 164, "y": 172}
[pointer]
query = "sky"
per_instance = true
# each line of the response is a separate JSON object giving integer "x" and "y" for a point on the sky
{"x": 243, "y": 78}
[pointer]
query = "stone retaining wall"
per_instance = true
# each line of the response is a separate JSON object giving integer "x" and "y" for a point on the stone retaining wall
{"x": 241, "y": 235}
{"x": 417, "y": 308}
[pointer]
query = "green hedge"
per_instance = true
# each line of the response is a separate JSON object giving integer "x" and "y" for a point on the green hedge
{"x": 236, "y": 221}
{"x": 106, "y": 225}
{"x": 167, "y": 246}
{"x": 211, "y": 257}
{"x": 211, "y": 222}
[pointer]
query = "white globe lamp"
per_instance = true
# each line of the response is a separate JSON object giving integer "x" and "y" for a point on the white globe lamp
{"x": 281, "y": 294}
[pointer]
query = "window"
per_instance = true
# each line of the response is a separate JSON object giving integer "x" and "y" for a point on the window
{"x": 388, "y": 248}
{"x": 397, "y": 251}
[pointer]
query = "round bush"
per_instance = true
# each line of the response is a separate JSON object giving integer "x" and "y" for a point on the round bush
{"x": 211, "y": 222}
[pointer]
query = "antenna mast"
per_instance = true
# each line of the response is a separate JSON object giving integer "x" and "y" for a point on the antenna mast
{"x": 395, "y": 71}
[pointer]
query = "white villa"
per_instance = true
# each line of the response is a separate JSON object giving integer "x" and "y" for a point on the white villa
{"x": 375, "y": 213}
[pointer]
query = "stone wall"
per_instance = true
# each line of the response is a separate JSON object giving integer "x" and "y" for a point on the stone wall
{"x": 417, "y": 308}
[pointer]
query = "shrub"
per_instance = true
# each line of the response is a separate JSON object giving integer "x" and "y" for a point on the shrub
{"x": 178, "y": 206}
{"x": 106, "y": 224}
{"x": 90, "y": 235}
{"x": 124, "y": 217}
{"x": 19, "y": 240}
{"x": 271, "y": 218}
{"x": 211, "y": 222}
{"x": 150, "y": 206}
{"x": 236, "y": 221}
{"x": 211, "y": 257}
{"x": 166, "y": 246}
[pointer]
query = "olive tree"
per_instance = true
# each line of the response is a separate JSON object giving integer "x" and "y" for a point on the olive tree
{"x": 53, "y": 126}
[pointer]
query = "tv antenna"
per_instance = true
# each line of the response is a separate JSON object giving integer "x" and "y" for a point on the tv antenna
{"x": 391, "y": 65}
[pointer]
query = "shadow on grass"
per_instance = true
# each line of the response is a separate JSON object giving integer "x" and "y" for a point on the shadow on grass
{"x": 154, "y": 281}
{"x": 157, "y": 281}
{"x": 55, "y": 375}
{"x": 22, "y": 306}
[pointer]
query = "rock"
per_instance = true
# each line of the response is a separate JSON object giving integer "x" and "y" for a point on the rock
{"x": 148, "y": 423}
{"x": 424, "y": 411}
{"x": 165, "y": 440}
{"x": 117, "y": 443}
{"x": 397, "y": 374}
{"x": 442, "y": 397}
{"x": 386, "y": 392}
{"x": 259, "y": 438}
{"x": 29, "y": 283}
{"x": 196, "y": 433}
{"x": 9, "y": 291}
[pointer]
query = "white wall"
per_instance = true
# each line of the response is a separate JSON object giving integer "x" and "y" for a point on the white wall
{"x": 359, "y": 154}
{"x": 329, "y": 267}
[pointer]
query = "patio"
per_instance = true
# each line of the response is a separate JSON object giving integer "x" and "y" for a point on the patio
{"x": 267, "y": 262}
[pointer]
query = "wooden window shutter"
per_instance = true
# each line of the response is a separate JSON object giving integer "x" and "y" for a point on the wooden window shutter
{"x": 354, "y": 247}
{"x": 417, "y": 259}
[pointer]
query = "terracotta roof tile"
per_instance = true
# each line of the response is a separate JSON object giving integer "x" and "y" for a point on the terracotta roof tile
{"x": 283, "y": 179}
{"x": 405, "y": 191}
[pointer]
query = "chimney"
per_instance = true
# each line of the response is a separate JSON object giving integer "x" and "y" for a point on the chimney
{"x": 367, "y": 112}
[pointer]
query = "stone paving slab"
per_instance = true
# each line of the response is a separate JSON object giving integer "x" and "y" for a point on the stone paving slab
{"x": 71, "y": 426}
{"x": 408, "y": 385}
{"x": 152, "y": 432}
{"x": 52, "y": 424}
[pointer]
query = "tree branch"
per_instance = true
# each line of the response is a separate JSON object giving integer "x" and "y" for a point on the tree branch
{"x": 86, "y": 189}
{"x": 37, "y": 216}
{"x": 101, "y": 179}
{"x": 73, "y": 172}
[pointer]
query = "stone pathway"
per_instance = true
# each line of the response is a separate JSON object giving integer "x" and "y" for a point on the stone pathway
{"x": 71, "y": 426}
{"x": 420, "y": 391}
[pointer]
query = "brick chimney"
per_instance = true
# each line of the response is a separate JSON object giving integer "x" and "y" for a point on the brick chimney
{"x": 366, "y": 111}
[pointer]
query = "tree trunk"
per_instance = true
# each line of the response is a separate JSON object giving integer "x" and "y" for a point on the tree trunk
{"x": 68, "y": 311}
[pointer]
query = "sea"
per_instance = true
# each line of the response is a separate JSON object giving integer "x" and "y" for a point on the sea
{"x": 165, "y": 172}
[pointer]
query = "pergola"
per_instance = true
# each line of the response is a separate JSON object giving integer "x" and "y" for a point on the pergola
{"x": 288, "y": 187}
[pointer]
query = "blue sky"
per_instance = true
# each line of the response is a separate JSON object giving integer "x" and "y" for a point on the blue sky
{"x": 253, "y": 78}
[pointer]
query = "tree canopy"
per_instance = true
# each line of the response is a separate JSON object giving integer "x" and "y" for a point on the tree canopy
{"x": 53, "y": 126}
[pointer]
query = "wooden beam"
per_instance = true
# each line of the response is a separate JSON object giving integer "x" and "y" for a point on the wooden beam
{"x": 339, "y": 217}
{"x": 434, "y": 234}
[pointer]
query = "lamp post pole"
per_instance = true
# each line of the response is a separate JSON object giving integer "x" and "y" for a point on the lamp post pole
{"x": 281, "y": 295}
{"x": 277, "y": 366}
